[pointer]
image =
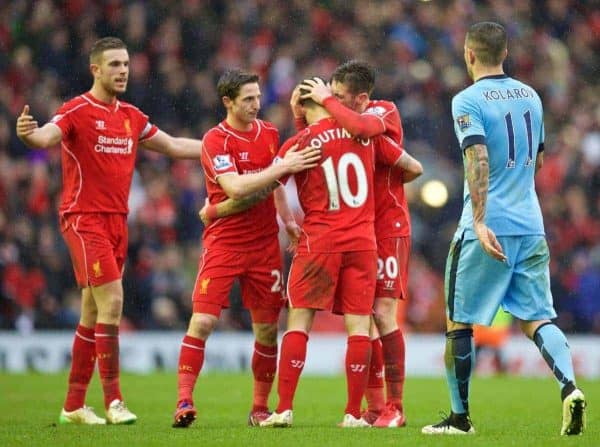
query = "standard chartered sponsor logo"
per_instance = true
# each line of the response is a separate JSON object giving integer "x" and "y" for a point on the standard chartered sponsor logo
{"x": 114, "y": 145}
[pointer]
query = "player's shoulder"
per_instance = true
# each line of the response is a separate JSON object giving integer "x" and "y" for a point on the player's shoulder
{"x": 128, "y": 107}
{"x": 216, "y": 133}
{"x": 267, "y": 126}
{"x": 381, "y": 107}
{"x": 467, "y": 96}
{"x": 72, "y": 104}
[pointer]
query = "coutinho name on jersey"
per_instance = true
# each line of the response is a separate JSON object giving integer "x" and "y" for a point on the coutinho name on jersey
{"x": 337, "y": 133}
{"x": 113, "y": 145}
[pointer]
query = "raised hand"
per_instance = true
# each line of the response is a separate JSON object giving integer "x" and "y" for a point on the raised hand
{"x": 26, "y": 125}
{"x": 317, "y": 90}
{"x": 297, "y": 109}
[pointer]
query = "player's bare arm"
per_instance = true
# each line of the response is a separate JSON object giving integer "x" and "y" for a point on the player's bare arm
{"x": 318, "y": 90}
{"x": 411, "y": 167}
{"x": 228, "y": 207}
{"x": 175, "y": 147}
{"x": 36, "y": 137}
{"x": 287, "y": 217}
{"x": 539, "y": 162}
{"x": 238, "y": 186}
{"x": 478, "y": 172}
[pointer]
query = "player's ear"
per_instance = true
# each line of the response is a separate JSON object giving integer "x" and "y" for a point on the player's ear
{"x": 226, "y": 101}
{"x": 362, "y": 98}
{"x": 94, "y": 69}
{"x": 471, "y": 55}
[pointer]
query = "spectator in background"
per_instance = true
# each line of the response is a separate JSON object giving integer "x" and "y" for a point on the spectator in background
{"x": 417, "y": 49}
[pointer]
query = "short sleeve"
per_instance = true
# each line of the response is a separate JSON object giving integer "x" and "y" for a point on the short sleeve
{"x": 387, "y": 151}
{"x": 468, "y": 122}
{"x": 62, "y": 119}
{"x": 216, "y": 156}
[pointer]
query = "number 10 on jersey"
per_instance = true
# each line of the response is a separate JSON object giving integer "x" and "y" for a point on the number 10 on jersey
{"x": 337, "y": 181}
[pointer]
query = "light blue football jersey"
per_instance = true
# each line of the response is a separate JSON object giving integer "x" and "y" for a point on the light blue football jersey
{"x": 506, "y": 116}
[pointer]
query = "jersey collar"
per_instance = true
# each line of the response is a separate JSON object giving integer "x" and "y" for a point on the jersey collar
{"x": 498, "y": 76}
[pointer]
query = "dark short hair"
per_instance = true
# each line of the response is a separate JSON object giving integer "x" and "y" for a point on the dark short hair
{"x": 231, "y": 82}
{"x": 106, "y": 43}
{"x": 357, "y": 76}
{"x": 488, "y": 40}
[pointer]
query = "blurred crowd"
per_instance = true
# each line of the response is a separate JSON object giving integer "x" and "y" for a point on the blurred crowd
{"x": 179, "y": 48}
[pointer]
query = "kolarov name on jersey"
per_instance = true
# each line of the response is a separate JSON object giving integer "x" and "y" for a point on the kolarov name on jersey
{"x": 113, "y": 145}
{"x": 509, "y": 93}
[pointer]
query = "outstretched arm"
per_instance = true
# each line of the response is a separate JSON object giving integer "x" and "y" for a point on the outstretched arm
{"x": 477, "y": 172}
{"x": 238, "y": 186}
{"x": 411, "y": 167}
{"x": 228, "y": 207}
{"x": 175, "y": 147}
{"x": 36, "y": 137}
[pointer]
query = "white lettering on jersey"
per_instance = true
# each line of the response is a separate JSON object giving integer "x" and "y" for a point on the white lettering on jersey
{"x": 114, "y": 145}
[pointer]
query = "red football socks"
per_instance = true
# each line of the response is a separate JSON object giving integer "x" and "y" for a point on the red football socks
{"x": 358, "y": 356}
{"x": 107, "y": 353}
{"x": 393, "y": 354}
{"x": 82, "y": 367}
{"x": 291, "y": 363}
{"x": 374, "y": 393}
{"x": 264, "y": 366}
{"x": 191, "y": 359}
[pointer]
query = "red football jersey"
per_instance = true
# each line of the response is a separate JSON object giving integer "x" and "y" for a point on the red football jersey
{"x": 337, "y": 197}
{"x": 226, "y": 150}
{"x": 99, "y": 145}
{"x": 392, "y": 218}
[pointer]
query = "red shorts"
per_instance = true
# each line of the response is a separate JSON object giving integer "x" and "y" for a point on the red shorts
{"x": 260, "y": 276}
{"x": 98, "y": 246}
{"x": 392, "y": 267}
{"x": 341, "y": 282}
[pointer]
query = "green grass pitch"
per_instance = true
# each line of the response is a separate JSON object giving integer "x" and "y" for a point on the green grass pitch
{"x": 506, "y": 412}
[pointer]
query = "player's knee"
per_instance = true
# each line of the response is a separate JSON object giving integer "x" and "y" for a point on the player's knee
{"x": 201, "y": 325}
{"x": 266, "y": 334}
{"x": 384, "y": 316}
{"x": 112, "y": 309}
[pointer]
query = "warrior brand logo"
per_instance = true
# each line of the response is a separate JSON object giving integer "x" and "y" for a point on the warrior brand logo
{"x": 244, "y": 156}
{"x": 114, "y": 145}
{"x": 100, "y": 125}
{"x": 357, "y": 367}
{"x": 297, "y": 363}
{"x": 222, "y": 162}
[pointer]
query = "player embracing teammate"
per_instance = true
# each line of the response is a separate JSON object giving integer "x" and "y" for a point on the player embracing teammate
{"x": 347, "y": 99}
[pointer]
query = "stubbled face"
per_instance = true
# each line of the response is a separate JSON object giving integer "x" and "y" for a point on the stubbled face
{"x": 113, "y": 71}
{"x": 245, "y": 107}
{"x": 350, "y": 100}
